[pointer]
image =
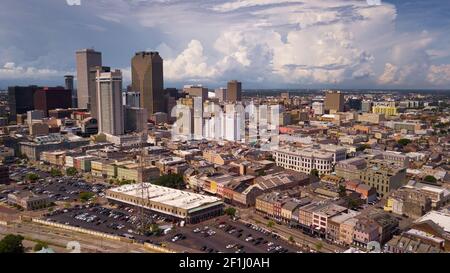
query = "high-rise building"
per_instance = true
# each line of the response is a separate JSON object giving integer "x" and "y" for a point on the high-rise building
{"x": 234, "y": 91}
{"x": 366, "y": 106}
{"x": 147, "y": 78}
{"x": 354, "y": 104}
{"x": 68, "y": 80}
{"x": 196, "y": 91}
{"x": 109, "y": 101}
{"x": 135, "y": 119}
{"x": 86, "y": 58}
{"x": 20, "y": 100}
{"x": 34, "y": 115}
{"x": 49, "y": 98}
{"x": 68, "y": 83}
{"x": 131, "y": 99}
{"x": 318, "y": 108}
{"x": 93, "y": 104}
{"x": 334, "y": 101}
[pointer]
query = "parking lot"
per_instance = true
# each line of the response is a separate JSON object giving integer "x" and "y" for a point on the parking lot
{"x": 227, "y": 236}
{"x": 219, "y": 236}
{"x": 57, "y": 188}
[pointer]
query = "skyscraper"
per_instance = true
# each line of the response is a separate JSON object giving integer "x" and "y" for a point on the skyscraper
{"x": 68, "y": 80}
{"x": 234, "y": 91}
{"x": 147, "y": 78}
{"x": 86, "y": 59}
{"x": 334, "y": 101}
{"x": 20, "y": 100}
{"x": 109, "y": 101}
{"x": 49, "y": 98}
{"x": 92, "y": 104}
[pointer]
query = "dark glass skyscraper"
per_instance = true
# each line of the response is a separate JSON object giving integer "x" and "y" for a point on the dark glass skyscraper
{"x": 147, "y": 79}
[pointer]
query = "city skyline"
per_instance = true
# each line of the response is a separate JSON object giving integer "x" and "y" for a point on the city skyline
{"x": 350, "y": 44}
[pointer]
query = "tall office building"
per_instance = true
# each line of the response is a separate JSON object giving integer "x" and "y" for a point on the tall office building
{"x": 196, "y": 91}
{"x": 366, "y": 106}
{"x": 49, "y": 98}
{"x": 234, "y": 91}
{"x": 131, "y": 99}
{"x": 221, "y": 94}
{"x": 355, "y": 104}
{"x": 147, "y": 78}
{"x": 20, "y": 100}
{"x": 317, "y": 108}
{"x": 68, "y": 83}
{"x": 68, "y": 80}
{"x": 93, "y": 104}
{"x": 334, "y": 101}
{"x": 86, "y": 59}
{"x": 109, "y": 101}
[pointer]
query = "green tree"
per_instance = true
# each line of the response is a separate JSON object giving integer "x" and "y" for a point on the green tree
{"x": 404, "y": 141}
{"x": 270, "y": 224}
{"x": 291, "y": 239}
{"x": 40, "y": 245}
{"x": 230, "y": 211}
{"x": 155, "y": 229}
{"x": 315, "y": 172}
{"x": 12, "y": 244}
{"x": 55, "y": 172}
{"x": 32, "y": 177}
{"x": 86, "y": 196}
{"x": 71, "y": 171}
{"x": 319, "y": 246}
{"x": 174, "y": 181}
{"x": 430, "y": 179}
{"x": 125, "y": 182}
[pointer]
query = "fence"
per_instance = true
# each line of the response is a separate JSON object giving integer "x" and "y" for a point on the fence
{"x": 102, "y": 235}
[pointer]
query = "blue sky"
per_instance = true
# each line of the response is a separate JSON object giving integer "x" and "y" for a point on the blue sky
{"x": 263, "y": 43}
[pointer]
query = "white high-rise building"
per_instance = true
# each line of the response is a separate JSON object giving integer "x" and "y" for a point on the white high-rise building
{"x": 109, "y": 99}
{"x": 234, "y": 122}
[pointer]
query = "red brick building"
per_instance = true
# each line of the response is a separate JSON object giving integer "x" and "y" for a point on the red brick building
{"x": 49, "y": 98}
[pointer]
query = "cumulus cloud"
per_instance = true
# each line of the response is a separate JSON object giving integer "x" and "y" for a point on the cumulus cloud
{"x": 261, "y": 42}
{"x": 11, "y": 71}
{"x": 190, "y": 64}
{"x": 439, "y": 75}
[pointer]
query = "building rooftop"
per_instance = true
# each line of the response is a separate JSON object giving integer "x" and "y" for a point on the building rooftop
{"x": 441, "y": 218}
{"x": 172, "y": 197}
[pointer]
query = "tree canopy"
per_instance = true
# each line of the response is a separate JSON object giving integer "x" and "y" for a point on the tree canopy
{"x": 71, "y": 171}
{"x": 12, "y": 244}
{"x": 404, "y": 141}
{"x": 430, "y": 179}
{"x": 315, "y": 172}
{"x": 174, "y": 181}
{"x": 230, "y": 211}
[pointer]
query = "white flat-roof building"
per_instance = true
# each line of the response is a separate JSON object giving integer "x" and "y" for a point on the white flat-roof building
{"x": 304, "y": 160}
{"x": 176, "y": 204}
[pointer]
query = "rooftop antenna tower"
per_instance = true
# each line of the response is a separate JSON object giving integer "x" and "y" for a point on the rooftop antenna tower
{"x": 143, "y": 220}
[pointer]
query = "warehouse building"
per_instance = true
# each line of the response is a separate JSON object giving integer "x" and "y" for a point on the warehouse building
{"x": 174, "y": 204}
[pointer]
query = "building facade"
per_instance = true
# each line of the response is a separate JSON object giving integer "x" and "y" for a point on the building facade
{"x": 86, "y": 59}
{"x": 147, "y": 79}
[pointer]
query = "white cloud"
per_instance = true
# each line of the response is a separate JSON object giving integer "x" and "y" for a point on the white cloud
{"x": 11, "y": 71}
{"x": 260, "y": 42}
{"x": 439, "y": 75}
{"x": 190, "y": 64}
